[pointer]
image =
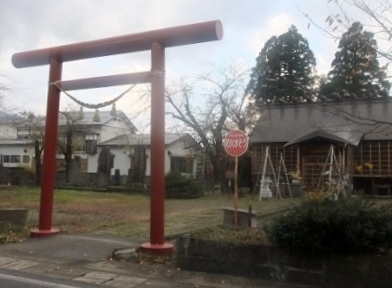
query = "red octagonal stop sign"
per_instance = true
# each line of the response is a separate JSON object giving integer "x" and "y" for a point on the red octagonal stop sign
{"x": 236, "y": 143}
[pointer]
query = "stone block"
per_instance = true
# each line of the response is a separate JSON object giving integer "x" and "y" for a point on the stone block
{"x": 272, "y": 263}
{"x": 242, "y": 217}
{"x": 305, "y": 277}
{"x": 12, "y": 219}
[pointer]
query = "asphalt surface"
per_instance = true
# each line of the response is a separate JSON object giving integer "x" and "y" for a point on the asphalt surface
{"x": 84, "y": 260}
{"x": 21, "y": 280}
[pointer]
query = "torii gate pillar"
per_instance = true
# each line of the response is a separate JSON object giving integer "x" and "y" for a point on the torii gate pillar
{"x": 156, "y": 41}
{"x": 157, "y": 222}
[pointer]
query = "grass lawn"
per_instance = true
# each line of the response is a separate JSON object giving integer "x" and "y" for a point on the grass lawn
{"x": 128, "y": 215}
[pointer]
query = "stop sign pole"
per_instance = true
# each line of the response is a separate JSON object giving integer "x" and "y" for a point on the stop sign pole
{"x": 236, "y": 144}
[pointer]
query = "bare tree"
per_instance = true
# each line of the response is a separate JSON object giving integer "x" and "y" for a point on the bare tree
{"x": 4, "y": 90}
{"x": 357, "y": 121}
{"x": 213, "y": 110}
{"x": 31, "y": 126}
{"x": 136, "y": 144}
{"x": 376, "y": 16}
{"x": 340, "y": 17}
{"x": 69, "y": 138}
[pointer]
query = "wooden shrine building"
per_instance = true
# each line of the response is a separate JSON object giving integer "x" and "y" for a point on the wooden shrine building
{"x": 360, "y": 133}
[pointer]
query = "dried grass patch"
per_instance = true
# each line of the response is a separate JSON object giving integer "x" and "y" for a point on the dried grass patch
{"x": 128, "y": 215}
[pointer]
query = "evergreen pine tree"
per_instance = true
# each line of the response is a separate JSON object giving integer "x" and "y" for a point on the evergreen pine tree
{"x": 284, "y": 70}
{"x": 356, "y": 72}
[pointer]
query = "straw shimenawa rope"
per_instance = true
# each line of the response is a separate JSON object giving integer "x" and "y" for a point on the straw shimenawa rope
{"x": 106, "y": 103}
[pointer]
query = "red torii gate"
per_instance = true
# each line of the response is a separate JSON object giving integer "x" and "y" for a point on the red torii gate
{"x": 156, "y": 41}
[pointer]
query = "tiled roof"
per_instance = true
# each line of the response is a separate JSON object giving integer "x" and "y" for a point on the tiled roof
{"x": 349, "y": 121}
{"x": 138, "y": 139}
{"x": 104, "y": 117}
{"x": 87, "y": 120}
{"x": 16, "y": 142}
{"x": 8, "y": 118}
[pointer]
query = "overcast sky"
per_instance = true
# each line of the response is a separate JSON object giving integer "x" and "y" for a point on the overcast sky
{"x": 27, "y": 25}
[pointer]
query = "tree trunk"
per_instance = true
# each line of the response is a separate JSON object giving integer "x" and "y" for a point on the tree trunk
{"x": 38, "y": 166}
{"x": 139, "y": 164}
{"x": 219, "y": 171}
{"x": 67, "y": 167}
{"x": 245, "y": 171}
{"x": 68, "y": 155}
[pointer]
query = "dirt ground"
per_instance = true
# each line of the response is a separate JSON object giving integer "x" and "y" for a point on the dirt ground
{"x": 128, "y": 215}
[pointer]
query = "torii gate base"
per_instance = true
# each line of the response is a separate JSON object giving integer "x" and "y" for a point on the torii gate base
{"x": 157, "y": 41}
{"x": 165, "y": 249}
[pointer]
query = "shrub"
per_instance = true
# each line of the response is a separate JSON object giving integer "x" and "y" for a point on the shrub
{"x": 230, "y": 234}
{"x": 182, "y": 187}
{"x": 345, "y": 225}
{"x": 329, "y": 190}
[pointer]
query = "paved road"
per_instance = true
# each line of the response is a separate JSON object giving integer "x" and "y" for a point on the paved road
{"x": 20, "y": 280}
{"x": 83, "y": 261}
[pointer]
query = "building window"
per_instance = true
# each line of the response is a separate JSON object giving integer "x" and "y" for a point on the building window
{"x": 91, "y": 143}
{"x": 26, "y": 159}
{"x": 12, "y": 158}
{"x": 91, "y": 146}
{"x": 15, "y": 158}
{"x": 23, "y": 132}
{"x": 180, "y": 164}
{"x": 26, "y": 132}
{"x": 78, "y": 143}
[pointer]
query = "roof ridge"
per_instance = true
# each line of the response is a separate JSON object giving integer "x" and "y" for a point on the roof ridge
{"x": 326, "y": 104}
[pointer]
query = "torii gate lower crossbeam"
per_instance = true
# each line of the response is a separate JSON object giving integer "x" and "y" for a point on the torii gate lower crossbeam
{"x": 156, "y": 41}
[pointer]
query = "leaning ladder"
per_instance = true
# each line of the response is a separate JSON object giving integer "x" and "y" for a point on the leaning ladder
{"x": 267, "y": 157}
{"x": 333, "y": 162}
{"x": 283, "y": 165}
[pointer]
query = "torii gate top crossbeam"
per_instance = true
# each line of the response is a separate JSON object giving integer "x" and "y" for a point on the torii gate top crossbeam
{"x": 168, "y": 37}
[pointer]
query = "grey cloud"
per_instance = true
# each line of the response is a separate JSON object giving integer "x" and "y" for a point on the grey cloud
{"x": 27, "y": 24}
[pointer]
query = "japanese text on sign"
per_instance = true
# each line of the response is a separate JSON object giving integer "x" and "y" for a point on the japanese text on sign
{"x": 236, "y": 143}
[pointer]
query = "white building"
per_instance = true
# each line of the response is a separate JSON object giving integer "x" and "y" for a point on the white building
{"x": 16, "y": 152}
{"x": 92, "y": 131}
{"x": 180, "y": 152}
{"x": 90, "y": 128}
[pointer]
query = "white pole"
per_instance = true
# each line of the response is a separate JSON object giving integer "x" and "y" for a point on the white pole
{"x": 263, "y": 175}
{"x": 330, "y": 165}
{"x": 236, "y": 192}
